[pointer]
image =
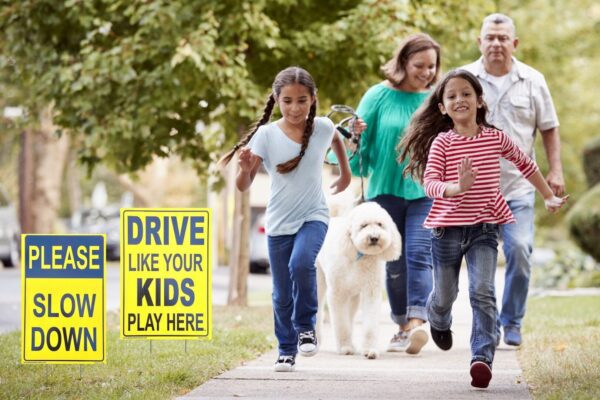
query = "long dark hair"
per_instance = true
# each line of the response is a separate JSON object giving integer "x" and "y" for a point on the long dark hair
{"x": 428, "y": 122}
{"x": 395, "y": 69}
{"x": 286, "y": 77}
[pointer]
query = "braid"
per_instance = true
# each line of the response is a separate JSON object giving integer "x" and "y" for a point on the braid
{"x": 266, "y": 116}
{"x": 289, "y": 165}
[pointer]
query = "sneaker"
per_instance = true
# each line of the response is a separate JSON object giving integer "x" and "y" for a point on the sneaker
{"x": 417, "y": 337}
{"x": 512, "y": 335}
{"x": 481, "y": 374}
{"x": 307, "y": 343}
{"x": 285, "y": 364}
{"x": 399, "y": 342}
{"x": 443, "y": 339}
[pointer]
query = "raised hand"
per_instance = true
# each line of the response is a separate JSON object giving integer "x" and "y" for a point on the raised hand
{"x": 466, "y": 174}
{"x": 246, "y": 159}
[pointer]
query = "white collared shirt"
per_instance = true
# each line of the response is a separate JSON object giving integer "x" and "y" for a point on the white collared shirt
{"x": 518, "y": 108}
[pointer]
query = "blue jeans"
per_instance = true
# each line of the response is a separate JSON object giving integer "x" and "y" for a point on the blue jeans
{"x": 292, "y": 259}
{"x": 409, "y": 280}
{"x": 518, "y": 245}
{"x": 479, "y": 245}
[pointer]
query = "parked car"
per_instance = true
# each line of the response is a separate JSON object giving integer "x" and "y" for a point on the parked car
{"x": 100, "y": 220}
{"x": 259, "y": 253}
{"x": 10, "y": 232}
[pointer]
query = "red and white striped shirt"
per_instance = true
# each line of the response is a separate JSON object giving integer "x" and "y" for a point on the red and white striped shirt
{"x": 483, "y": 202}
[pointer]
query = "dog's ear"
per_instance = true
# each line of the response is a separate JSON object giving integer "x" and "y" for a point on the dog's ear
{"x": 394, "y": 250}
{"x": 347, "y": 244}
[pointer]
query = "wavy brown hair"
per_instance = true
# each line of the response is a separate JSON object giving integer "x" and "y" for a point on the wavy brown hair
{"x": 284, "y": 78}
{"x": 428, "y": 121}
{"x": 395, "y": 69}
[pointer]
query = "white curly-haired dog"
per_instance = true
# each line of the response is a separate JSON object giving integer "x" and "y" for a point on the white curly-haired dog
{"x": 350, "y": 268}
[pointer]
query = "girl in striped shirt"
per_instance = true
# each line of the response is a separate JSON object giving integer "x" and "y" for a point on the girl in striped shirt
{"x": 456, "y": 153}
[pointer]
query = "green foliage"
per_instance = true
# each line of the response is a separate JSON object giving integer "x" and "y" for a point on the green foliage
{"x": 569, "y": 268}
{"x": 591, "y": 161}
{"x": 135, "y": 79}
{"x": 584, "y": 222}
{"x": 556, "y": 38}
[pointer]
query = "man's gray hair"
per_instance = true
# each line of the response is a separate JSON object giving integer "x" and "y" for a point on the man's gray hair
{"x": 498, "y": 18}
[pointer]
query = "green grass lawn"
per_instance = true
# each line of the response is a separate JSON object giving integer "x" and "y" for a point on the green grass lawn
{"x": 135, "y": 371}
{"x": 560, "y": 355}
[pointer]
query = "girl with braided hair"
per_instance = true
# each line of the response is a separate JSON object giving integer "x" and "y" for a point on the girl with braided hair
{"x": 292, "y": 150}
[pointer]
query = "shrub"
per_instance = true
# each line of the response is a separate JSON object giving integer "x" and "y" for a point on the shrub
{"x": 584, "y": 222}
{"x": 591, "y": 162}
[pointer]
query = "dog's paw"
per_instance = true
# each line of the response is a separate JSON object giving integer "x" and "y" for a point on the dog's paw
{"x": 346, "y": 350}
{"x": 371, "y": 354}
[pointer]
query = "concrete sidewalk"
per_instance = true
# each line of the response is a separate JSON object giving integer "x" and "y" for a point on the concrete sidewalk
{"x": 433, "y": 374}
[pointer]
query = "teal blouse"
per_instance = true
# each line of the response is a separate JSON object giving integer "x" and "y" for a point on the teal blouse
{"x": 387, "y": 112}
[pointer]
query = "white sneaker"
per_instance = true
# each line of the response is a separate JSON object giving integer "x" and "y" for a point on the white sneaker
{"x": 307, "y": 343}
{"x": 417, "y": 338}
{"x": 285, "y": 364}
{"x": 399, "y": 342}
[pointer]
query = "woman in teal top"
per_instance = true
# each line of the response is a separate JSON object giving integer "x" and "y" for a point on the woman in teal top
{"x": 387, "y": 109}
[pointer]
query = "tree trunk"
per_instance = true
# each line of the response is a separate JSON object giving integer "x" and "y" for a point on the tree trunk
{"x": 239, "y": 264}
{"x": 42, "y": 164}
{"x": 72, "y": 180}
{"x": 26, "y": 169}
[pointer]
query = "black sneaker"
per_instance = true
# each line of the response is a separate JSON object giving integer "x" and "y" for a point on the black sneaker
{"x": 285, "y": 364}
{"x": 443, "y": 339}
{"x": 481, "y": 374}
{"x": 307, "y": 343}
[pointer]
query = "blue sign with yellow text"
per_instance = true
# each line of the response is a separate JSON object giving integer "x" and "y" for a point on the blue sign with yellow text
{"x": 63, "y": 296}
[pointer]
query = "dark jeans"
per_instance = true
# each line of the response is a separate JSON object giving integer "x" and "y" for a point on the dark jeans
{"x": 292, "y": 259}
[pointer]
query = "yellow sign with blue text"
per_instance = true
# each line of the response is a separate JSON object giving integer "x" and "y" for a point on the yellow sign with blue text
{"x": 63, "y": 298}
{"x": 166, "y": 273}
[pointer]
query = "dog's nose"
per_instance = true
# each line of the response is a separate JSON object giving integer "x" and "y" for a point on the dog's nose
{"x": 373, "y": 239}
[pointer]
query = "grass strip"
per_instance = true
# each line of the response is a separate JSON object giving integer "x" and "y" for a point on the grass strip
{"x": 135, "y": 371}
{"x": 560, "y": 355}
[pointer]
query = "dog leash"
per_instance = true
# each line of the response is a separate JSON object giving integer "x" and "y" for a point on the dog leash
{"x": 350, "y": 134}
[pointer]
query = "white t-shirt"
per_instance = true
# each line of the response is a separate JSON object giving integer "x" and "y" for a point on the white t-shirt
{"x": 498, "y": 81}
{"x": 296, "y": 197}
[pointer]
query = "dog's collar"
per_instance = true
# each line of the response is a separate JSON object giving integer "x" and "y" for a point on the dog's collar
{"x": 359, "y": 255}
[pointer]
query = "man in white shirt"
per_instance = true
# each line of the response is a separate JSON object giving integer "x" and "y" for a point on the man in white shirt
{"x": 519, "y": 103}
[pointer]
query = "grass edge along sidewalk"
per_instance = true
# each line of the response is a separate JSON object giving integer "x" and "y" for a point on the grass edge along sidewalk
{"x": 560, "y": 355}
{"x": 136, "y": 369}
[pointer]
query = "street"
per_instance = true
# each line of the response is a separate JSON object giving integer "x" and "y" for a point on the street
{"x": 10, "y": 291}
